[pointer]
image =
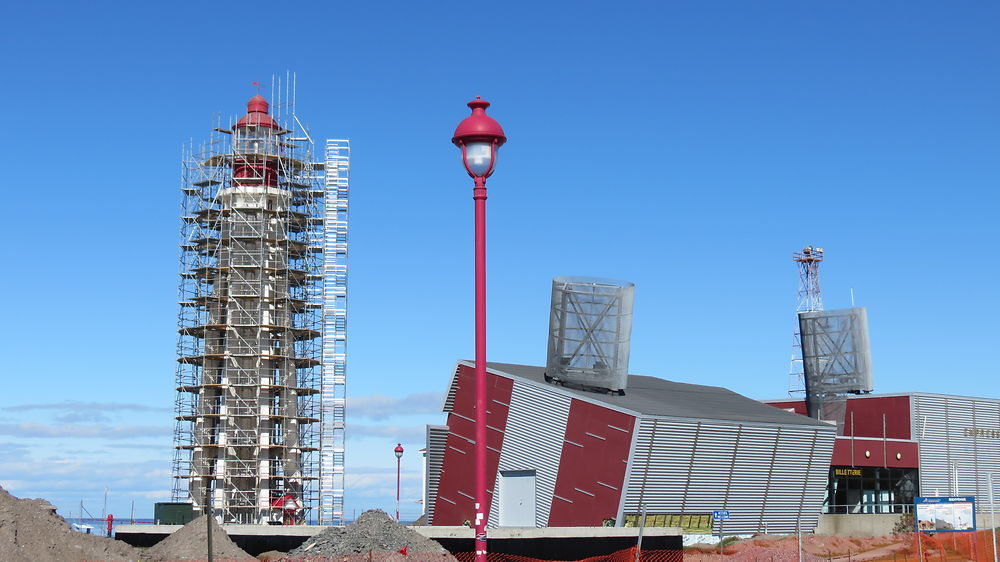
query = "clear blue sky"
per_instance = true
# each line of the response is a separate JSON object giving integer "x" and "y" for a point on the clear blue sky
{"x": 689, "y": 147}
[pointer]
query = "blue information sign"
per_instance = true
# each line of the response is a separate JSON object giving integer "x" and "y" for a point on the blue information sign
{"x": 944, "y": 514}
{"x": 720, "y": 514}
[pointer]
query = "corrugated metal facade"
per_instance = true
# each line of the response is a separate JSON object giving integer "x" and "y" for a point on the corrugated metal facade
{"x": 958, "y": 436}
{"x": 771, "y": 478}
{"x": 449, "y": 399}
{"x": 533, "y": 440}
{"x": 437, "y": 438}
{"x": 769, "y": 468}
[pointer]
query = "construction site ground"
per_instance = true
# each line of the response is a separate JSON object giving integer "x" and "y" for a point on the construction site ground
{"x": 31, "y": 531}
{"x": 901, "y": 547}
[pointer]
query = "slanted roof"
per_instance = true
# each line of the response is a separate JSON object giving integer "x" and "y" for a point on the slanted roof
{"x": 651, "y": 396}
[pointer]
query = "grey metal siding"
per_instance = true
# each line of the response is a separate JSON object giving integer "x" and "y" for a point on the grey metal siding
{"x": 533, "y": 440}
{"x": 958, "y": 434}
{"x": 770, "y": 478}
{"x": 437, "y": 437}
{"x": 449, "y": 399}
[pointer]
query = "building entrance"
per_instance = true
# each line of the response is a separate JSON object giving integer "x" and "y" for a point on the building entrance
{"x": 871, "y": 490}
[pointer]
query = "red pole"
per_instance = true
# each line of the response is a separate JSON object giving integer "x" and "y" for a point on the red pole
{"x": 479, "y": 195}
{"x": 397, "y": 487}
{"x": 481, "y": 133}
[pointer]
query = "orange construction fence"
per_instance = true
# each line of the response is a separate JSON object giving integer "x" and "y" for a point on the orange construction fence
{"x": 627, "y": 555}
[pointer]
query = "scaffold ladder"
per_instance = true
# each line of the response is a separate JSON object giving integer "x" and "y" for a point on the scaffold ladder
{"x": 334, "y": 383}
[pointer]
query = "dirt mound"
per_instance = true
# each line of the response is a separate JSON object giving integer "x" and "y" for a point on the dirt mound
{"x": 373, "y": 531}
{"x": 814, "y": 548}
{"x": 31, "y": 531}
{"x": 190, "y": 543}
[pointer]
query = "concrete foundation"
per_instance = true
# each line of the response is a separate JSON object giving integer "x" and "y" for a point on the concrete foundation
{"x": 873, "y": 525}
{"x": 862, "y": 525}
{"x": 551, "y": 543}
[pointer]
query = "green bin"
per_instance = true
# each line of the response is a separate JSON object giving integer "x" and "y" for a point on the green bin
{"x": 170, "y": 513}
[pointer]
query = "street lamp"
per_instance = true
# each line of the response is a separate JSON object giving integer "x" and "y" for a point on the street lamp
{"x": 399, "y": 455}
{"x": 479, "y": 137}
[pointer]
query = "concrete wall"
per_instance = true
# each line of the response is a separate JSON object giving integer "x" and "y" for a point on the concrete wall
{"x": 862, "y": 525}
{"x": 874, "y": 525}
{"x": 984, "y": 521}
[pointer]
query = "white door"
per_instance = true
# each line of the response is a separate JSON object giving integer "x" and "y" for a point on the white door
{"x": 517, "y": 498}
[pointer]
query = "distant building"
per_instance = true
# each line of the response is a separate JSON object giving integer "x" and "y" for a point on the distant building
{"x": 895, "y": 447}
{"x": 564, "y": 456}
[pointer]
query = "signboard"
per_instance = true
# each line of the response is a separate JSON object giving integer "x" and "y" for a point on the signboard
{"x": 690, "y": 524}
{"x": 945, "y": 514}
{"x": 720, "y": 515}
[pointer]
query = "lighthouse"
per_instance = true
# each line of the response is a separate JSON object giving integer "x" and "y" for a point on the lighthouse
{"x": 249, "y": 373}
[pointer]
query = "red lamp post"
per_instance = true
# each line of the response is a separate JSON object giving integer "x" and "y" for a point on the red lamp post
{"x": 399, "y": 455}
{"x": 480, "y": 136}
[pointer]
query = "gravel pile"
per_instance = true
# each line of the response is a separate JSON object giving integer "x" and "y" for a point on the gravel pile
{"x": 373, "y": 531}
{"x": 190, "y": 543}
{"x": 30, "y": 531}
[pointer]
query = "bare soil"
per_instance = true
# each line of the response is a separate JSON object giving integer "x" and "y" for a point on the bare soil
{"x": 190, "y": 543}
{"x": 372, "y": 532}
{"x": 30, "y": 531}
{"x": 842, "y": 549}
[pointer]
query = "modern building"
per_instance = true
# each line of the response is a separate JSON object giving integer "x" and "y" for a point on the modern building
{"x": 895, "y": 447}
{"x": 261, "y": 352}
{"x": 562, "y": 455}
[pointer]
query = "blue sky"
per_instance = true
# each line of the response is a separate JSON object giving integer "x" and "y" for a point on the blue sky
{"x": 688, "y": 147}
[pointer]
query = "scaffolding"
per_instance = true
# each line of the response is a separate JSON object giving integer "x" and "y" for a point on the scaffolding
{"x": 810, "y": 300}
{"x": 249, "y": 349}
{"x": 333, "y": 395}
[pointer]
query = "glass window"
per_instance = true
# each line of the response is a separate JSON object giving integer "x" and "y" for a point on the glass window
{"x": 870, "y": 490}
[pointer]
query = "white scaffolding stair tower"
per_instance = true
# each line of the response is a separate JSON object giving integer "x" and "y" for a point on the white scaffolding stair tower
{"x": 334, "y": 383}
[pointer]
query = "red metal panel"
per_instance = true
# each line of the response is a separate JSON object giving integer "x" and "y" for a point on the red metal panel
{"x": 868, "y": 413}
{"x": 797, "y": 406}
{"x": 868, "y": 452}
{"x": 592, "y": 466}
{"x": 456, "y": 489}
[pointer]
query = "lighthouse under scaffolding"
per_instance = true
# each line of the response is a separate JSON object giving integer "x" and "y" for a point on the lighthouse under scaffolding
{"x": 259, "y": 405}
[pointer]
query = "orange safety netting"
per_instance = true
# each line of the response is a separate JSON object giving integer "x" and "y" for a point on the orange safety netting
{"x": 945, "y": 547}
{"x": 627, "y": 555}
{"x": 957, "y": 546}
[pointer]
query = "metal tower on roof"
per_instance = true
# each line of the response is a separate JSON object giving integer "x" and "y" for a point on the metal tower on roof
{"x": 810, "y": 300}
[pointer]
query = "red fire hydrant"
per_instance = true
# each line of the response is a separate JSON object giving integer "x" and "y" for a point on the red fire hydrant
{"x": 111, "y": 519}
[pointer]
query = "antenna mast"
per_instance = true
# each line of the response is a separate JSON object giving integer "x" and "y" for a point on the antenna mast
{"x": 810, "y": 300}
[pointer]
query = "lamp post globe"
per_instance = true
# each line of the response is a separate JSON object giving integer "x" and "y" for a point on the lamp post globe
{"x": 479, "y": 136}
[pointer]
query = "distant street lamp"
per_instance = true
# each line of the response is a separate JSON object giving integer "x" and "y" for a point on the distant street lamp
{"x": 399, "y": 455}
{"x": 479, "y": 137}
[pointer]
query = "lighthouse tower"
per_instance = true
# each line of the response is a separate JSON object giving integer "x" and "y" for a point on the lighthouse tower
{"x": 249, "y": 352}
